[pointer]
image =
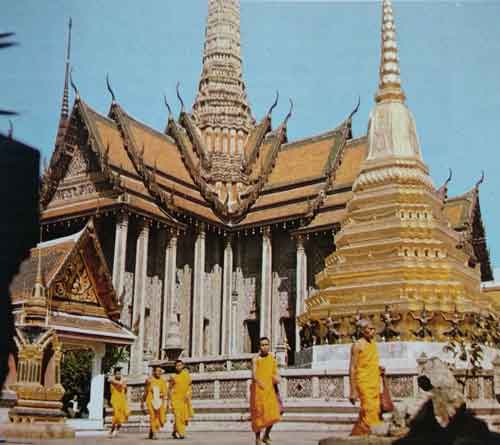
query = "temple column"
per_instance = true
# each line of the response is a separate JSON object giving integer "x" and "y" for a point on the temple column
{"x": 266, "y": 280}
{"x": 198, "y": 293}
{"x": 227, "y": 292}
{"x": 301, "y": 285}
{"x": 169, "y": 287}
{"x": 121, "y": 231}
{"x": 96, "y": 402}
{"x": 141, "y": 263}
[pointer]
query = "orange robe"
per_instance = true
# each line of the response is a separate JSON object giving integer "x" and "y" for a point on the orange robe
{"x": 156, "y": 394}
{"x": 119, "y": 403}
{"x": 181, "y": 401}
{"x": 367, "y": 383}
{"x": 264, "y": 405}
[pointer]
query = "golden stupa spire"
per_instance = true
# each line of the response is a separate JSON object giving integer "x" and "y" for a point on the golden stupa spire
{"x": 392, "y": 133}
{"x": 389, "y": 86}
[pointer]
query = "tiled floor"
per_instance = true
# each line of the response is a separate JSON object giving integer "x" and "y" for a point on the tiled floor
{"x": 195, "y": 438}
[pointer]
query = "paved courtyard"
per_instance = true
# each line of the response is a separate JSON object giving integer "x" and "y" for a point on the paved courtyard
{"x": 195, "y": 438}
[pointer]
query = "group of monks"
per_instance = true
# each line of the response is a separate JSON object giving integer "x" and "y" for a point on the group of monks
{"x": 159, "y": 396}
{"x": 266, "y": 406}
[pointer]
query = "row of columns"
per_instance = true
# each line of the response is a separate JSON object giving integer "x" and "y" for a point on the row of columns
{"x": 269, "y": 315}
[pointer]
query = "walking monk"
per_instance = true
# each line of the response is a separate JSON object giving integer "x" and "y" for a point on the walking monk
{"x": 365, "y": 379}
{"x": 264, "y": 405}
{"x": 118, "y": 386}
{"x": 155, "y": 396}
{"x": 180, "y": 399}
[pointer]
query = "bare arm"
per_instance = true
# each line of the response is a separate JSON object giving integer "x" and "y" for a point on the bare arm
{"x": 276, "y": 373}
{"x": 355, "y": 349}
{"x": 146, "y": 388}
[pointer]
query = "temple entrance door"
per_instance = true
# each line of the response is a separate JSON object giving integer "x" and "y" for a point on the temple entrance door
{"x": 252, "y": 336}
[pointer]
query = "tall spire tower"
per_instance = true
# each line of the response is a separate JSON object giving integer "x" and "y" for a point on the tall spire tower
{"x": 395, "y": 246}
{"x": 221, "y": 103}
{"x": 64, "y": 118}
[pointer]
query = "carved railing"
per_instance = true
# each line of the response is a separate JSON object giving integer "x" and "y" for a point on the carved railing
{"x": 314, "y": 385}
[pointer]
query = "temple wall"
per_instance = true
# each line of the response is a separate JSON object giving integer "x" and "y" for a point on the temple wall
{"x": 154, "y": 293}
{"x": 284, "y": 287}
{"x": 246, "y": 288}
{"x": 213, "y": 295}
{"x": 184, "y": 287}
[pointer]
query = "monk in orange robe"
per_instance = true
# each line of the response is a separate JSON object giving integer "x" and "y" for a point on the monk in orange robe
{"x": 365, "y": 380}
{"x": 119, "y": 402}
{"x": 264, "y": 404}
{"x": 180, "y": 394}
{"x": 155, "y": 397}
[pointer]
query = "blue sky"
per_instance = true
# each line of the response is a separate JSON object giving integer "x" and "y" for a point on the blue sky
{"x": 322, "y": 54}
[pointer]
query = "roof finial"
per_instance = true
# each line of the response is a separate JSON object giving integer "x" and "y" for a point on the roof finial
{"x": 289, "y": 115}
{"x": 39, "y": 288}
{"x": 353, "y": 112}
{"x": 113, "y": 98}
{"x": 450, "y": 175}
{"x": 481, "y": 180}
{"x": 168, "y": 106}
{"x": 65, "y": 104}
{"x": 63, "y": 120}
{"x": 273, "y": 106}
{"x": 389, "y": 87}
{"x": 179, "y": 96}
{"x": 75, "y": 89}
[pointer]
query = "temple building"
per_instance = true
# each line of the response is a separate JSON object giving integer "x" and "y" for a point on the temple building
{"x": 216, "y": 227}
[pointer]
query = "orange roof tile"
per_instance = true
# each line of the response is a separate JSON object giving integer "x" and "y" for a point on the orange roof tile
{"x": 53, "y": 255}
{"x": 354, "y": 154}
{"x": 302, "y": 160}
{"x": 159, "y": 148}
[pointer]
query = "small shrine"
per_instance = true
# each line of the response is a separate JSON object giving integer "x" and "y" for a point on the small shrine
{"x": 63, "y": 299}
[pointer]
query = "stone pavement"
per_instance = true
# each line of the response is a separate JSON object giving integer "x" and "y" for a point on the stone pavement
{"x": 195, "y": 438}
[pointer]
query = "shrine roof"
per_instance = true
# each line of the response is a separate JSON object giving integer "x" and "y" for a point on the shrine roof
{"x": 69, "y": 326}
{"x": 56, "y": 258}
{"x": 53, "y": 254}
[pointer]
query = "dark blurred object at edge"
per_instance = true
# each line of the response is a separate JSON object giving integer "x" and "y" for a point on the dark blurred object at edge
{"x": 19, "y": 227}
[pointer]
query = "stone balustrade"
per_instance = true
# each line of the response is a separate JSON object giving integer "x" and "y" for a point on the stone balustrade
{"x": 216, "y": 383}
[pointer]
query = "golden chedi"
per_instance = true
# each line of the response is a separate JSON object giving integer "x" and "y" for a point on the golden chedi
{"x": 397, "y": 259}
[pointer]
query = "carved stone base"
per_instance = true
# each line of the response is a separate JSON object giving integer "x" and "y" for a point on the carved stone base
{"x": 402, "y": 355}
{"x": 7, "y": 401}
{"x": 46, "y": 413}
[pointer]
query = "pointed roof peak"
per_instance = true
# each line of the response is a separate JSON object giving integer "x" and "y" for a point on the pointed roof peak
{"x": 389, "y": 88}
{"x": 64, "y": 117}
